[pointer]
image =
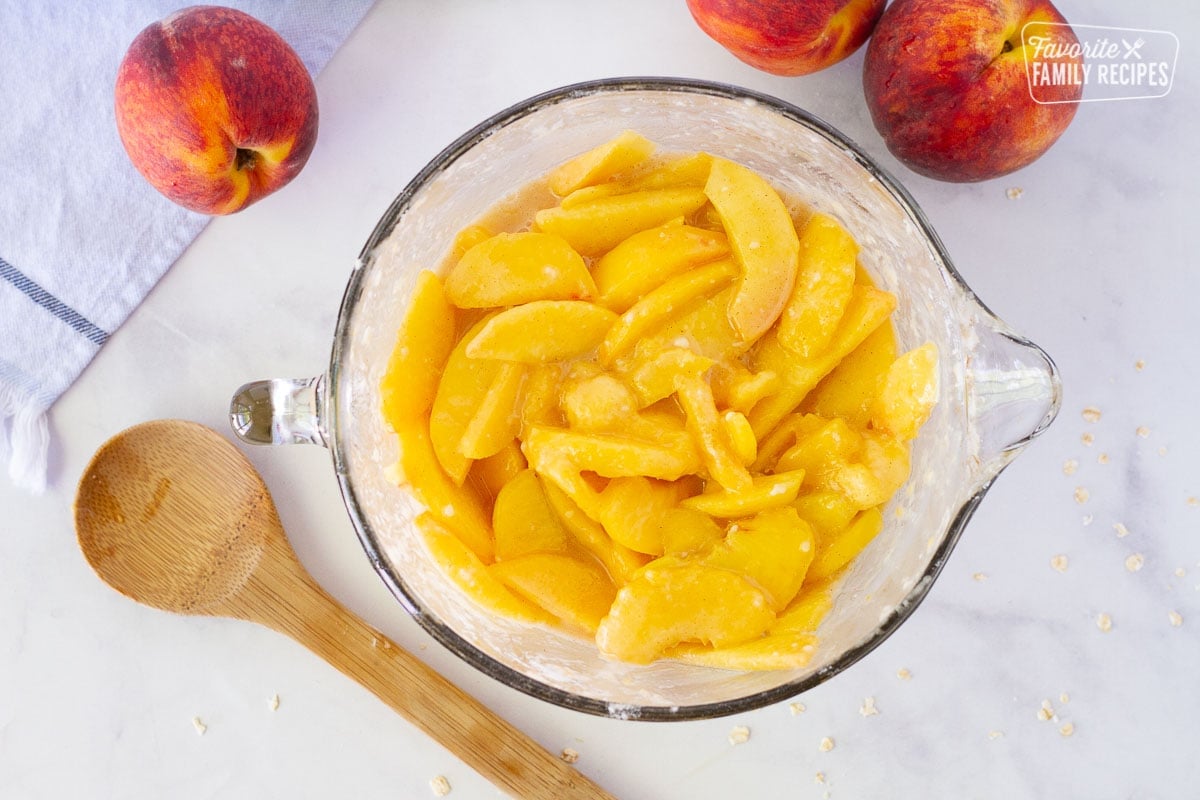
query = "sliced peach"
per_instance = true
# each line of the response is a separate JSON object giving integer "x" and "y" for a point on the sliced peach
{"x": 832, "y": 444}
{"x": 653, "y": 374}
{"x": 593, "y": 228}
{"x": 716, "y": 449}
{"x": 868, "y": 309}
{"x": 540, "y": 398}
{"x": 807, "y": 609}
{"x": 463, "y": 388}
{"x": 493, "y": 472}
{"x": 564, "y": 329}
{"x": 512, "y": 268}
{"x": 666, "y": 605}
{"x": 577, "y": 592}
{"x": 703, "y": 329}
{"x": 455, "y": 506}
{"x": 646, "y": 260}
{"x": 423, "y": 344}
{"x": 627, "y": 150}
{"x": 687, "y": 532}
{"x": 497, "y": 419}
{"x": 598, "y": 402}
{"x": 467, "y": 238}
{"x": 621, "y": 562}
{"x": 879, "y": 469}
{"x": 472, "y": 576}
{"x": 784, "y": 650}
{"x": 773, "y": 549}
{"x": 662, "y": 304}
{"x": 850, "y": 389}
{"x": 908, "y": 394}
{"x": 827, "y": 511}
{"x": 632, "y": 511}
{"x": 840, "y": 549}
{"x": 764, "y": 244}
{"x": 524, "y": 522}
{"x": 764, "y": 492}
{"x": 823, "y": 284}
{"x": 611, "y": 455}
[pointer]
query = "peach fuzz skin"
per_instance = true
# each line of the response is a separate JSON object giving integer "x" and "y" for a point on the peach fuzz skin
{"x": 946, "y": 85}
{"x": 215, "y": 109}
{"x": 788, "y": 37}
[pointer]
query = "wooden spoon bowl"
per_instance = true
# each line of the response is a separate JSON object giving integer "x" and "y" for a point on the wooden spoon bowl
{"x": 172, "y": 515}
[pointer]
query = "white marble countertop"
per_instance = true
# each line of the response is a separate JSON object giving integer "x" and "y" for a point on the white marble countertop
{"x": 98, "y": 694}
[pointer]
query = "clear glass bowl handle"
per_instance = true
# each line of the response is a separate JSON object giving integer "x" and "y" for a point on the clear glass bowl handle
{"x": 280, "y": 411}
{"x": 1013, "y": 393}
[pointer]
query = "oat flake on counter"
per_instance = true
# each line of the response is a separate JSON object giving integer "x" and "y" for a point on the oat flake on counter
{"x": 1059, "y": 563}
{"x": 1134, "y": 562}
{"x": 739, "y": 735}
{"x": 868, "y": 708}
{"x": 1069, "y": 466}
{"x": 1081, "y": 495}
{"x": 1091, "y": 414}
{"x": 1175, "y": 618}
{"x": 1104, "y": 622}
{"x": 826, "y": 745}
{"x": 797, "y": 708}
{"x": 569, "y": 755}
{"x": 199, "y": 725}
{"x": 439, "y": 786}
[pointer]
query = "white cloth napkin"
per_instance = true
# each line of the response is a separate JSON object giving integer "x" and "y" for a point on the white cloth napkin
{"x": 83, "y": 237}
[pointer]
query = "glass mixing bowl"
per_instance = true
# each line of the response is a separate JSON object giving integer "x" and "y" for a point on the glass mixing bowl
{"x": 998, "y": 390}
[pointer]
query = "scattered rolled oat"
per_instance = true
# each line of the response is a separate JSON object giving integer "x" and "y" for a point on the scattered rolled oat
{"x": 1087, "y": 439}
{"x": 1180, "y": 572}
{"x": 1081, "y": 495}
{"x": 439, "y": 786}
{"x": 739, "y": 735}
{"x": 1102, "y": 458}
{"x": 826, "y": 745}
{"x": 1134, "y": 562}
{"x": 1193, "y": 501}
{"x": 1046, "y": 712}
{"x": 1139, "y": 365}
{"x": 980, "y": 576}
{"x": 1069, "y": 466}
{"x": 1091, "y": 414}
{"x": 273, "y": 702}
{"x": 1067, "y": 728}
{"x": 569, "y": 755}
{"x": 797, "y": 709}
{"x": 1143, "y": 431}
{"x": 995, "y": 734}
{"x": 868, "y": 708}
{"x": 1087, "y": 520}
{"x": 819, "y": 777}
{"x": 1064, "y": 698}
{"x": 1175, "y": 618}
{"x": 903, "y": 674}
{"x": 199, "y": 725}
{"x": 1162, "y": 451}
{"x": 1104, "y": 622}
{"x": 1121, "y": 530}
{"x": 1014, "y": 192}
{"x": 1059, "y": 563}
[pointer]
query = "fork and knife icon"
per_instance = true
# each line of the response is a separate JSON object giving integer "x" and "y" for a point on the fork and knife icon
{"x": 1132, "y": 49}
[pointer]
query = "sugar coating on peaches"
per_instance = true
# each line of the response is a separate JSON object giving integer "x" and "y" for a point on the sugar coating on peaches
{"x": 664, "y": 410}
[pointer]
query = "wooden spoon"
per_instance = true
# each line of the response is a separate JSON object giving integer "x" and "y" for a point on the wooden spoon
{"x": 172, "y": 515}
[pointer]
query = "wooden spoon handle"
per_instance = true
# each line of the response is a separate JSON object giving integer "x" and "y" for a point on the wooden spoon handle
{"x": 283, "y": 596}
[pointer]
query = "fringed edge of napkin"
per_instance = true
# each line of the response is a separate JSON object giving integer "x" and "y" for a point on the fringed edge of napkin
{"x": 24, "y": 440}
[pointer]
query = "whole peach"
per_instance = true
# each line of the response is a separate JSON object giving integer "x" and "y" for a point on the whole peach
{"x": 947, "y": 86}
{"x": 788, "y": 37}
{"x": 215, "y": 109}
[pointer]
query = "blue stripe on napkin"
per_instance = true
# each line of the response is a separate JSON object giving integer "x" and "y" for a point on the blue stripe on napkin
{"x": 58, "y": 308}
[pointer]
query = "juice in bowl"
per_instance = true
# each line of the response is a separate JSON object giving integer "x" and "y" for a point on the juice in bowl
{"x": 708, "y": 454}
